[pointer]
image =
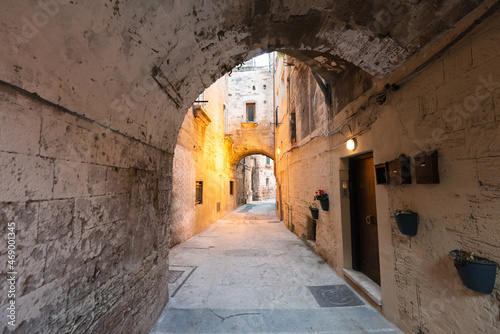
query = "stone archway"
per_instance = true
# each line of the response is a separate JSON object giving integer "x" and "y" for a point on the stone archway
{"x": 99, "y": 93}
{"x": 241, "y": 155}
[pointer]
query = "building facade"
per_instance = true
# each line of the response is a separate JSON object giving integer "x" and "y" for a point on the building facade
{"x": 93, "y": 96}
{"x": 204, "y": 188}
{"x": 449, "y": 108}
{"x": 231, "y": 119}
{"x": 261, "y": 183}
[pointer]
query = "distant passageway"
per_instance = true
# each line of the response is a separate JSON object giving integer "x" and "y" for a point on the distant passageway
{"x": 248, "y": 274}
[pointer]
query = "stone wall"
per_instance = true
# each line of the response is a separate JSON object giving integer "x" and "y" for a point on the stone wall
{"x": 263, "y": 179}
{"x": 89, "y": 207}
{"x": 201, "y": 155}
{"x": 204, "y": 152}
{"x": 131, "y": 70}
{"x": 450, "y": 105}
{"x": 251, "y": 86}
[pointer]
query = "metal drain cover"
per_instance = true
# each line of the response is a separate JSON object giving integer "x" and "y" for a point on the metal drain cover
{"x": 335, "y": 296}
{"x": 173, "y": 275}
{"x": 274, "y": 221}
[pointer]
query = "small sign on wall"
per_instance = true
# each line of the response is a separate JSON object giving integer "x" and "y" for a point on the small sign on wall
{"x": 344, "y": 189}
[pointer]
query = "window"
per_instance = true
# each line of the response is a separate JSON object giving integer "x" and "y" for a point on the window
{"x": 199, "y": 192}
{"x": 231, "y": 188}
{"x": 277, "y": 115}
{"x": 268, "y": 161}
{"x": 267, "y": 182}
{"x": 250, "y": 112}
{"x": 293, "y": 128}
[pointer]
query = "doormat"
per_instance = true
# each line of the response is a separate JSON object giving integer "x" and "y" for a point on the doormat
{"x": 173, "y": 275}
{"x": 335, "y": 296}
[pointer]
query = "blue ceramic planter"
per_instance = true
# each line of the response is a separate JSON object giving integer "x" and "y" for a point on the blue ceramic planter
{"x": 476, "y": 275}
{"x": 407, "y": 222}
{"x": 325, "y": 204}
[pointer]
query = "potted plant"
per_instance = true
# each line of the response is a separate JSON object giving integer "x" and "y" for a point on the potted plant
{"x": 477, "y": 273}
{"x": 407, "y": 222}
{"x": 314, "y": 211}
{"x": 322, "y": 197}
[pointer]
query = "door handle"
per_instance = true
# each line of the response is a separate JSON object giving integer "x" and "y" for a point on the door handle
{"x": 370, "y": 219}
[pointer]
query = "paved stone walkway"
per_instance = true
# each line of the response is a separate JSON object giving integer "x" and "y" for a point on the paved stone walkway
{"x": 248, "y": 274}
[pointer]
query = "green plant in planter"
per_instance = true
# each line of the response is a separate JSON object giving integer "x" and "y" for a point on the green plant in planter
{"x": 314, "y": 211}
{"x": 399, "y": 212}
{"x": 322, "y": 197}
{"x": 462, "y": 257}
{"x": 476, "y": 272}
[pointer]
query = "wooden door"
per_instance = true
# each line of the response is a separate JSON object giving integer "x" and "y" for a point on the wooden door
{"x": 364, "y": 230}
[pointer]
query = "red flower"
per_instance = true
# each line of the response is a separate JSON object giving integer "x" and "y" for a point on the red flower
{"x": 320, "y": 195}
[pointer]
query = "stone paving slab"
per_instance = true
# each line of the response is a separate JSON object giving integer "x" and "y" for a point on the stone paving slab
{"x": 245, "y": 275}
{"x": 338, "y": 320}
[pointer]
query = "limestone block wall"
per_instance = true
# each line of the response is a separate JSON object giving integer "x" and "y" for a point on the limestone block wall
{"x": 298, "y": 92}
{"x": 89, "y": 207}
{"x": 201, "y": 155}
{"x": 130, "y": 71}
{"x": 451, "y": 105}
{"x": 255, "y": 86}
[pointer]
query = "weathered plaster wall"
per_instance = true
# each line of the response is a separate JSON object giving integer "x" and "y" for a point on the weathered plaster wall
{"x": 131, "y": 70}
{"x": 253, "y": 86}
{"x": 91, "y": 231}
{"x": 451, "y": 106}
{"x": 201, "y": 155}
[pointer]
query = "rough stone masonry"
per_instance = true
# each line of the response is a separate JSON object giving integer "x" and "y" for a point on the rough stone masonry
{"x": 92, "y": 99}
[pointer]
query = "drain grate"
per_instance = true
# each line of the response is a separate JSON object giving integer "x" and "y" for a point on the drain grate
{"x": 335, "y": 296}
{"x": 173, "y": 275}
{"x": 274, "y": 221}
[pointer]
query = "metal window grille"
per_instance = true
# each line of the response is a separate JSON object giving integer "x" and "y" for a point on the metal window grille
{"x": 199, "y": 192}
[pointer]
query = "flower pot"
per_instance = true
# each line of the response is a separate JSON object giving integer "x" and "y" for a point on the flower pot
{"x": 325, "y": 204}
{"x": 407, "y": 222}
{"x": 315, "y": 213}
{"x": 475, "y": 274}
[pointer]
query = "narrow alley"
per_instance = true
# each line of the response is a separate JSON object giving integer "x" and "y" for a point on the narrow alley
{"x": 248, "y": 274}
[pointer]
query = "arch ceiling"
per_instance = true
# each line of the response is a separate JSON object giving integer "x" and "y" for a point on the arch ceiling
{"x": 241, "y": 155}
{"x": 124, "y": 63}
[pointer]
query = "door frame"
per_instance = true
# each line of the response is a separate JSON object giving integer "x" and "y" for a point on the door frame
{"x": 347, "y": 214}
{"x": 356, "y": 234}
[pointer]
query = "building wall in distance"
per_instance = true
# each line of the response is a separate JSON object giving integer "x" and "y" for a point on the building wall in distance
{"x": 251, "y": 86}
{"x": 205, "y": 153}
{"x": 202, "y": 154}
{"x": 263, "y": 182}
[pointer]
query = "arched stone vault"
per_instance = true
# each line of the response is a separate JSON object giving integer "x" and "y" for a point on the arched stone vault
{"x": 97, "y": 60}
{"x": 237, "y": 157}
{"x": 111, "y": 83}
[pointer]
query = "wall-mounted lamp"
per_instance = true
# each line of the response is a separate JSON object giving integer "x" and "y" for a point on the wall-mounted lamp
{"x": 278, "y": 150}
{"x": 351, "y": 144}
